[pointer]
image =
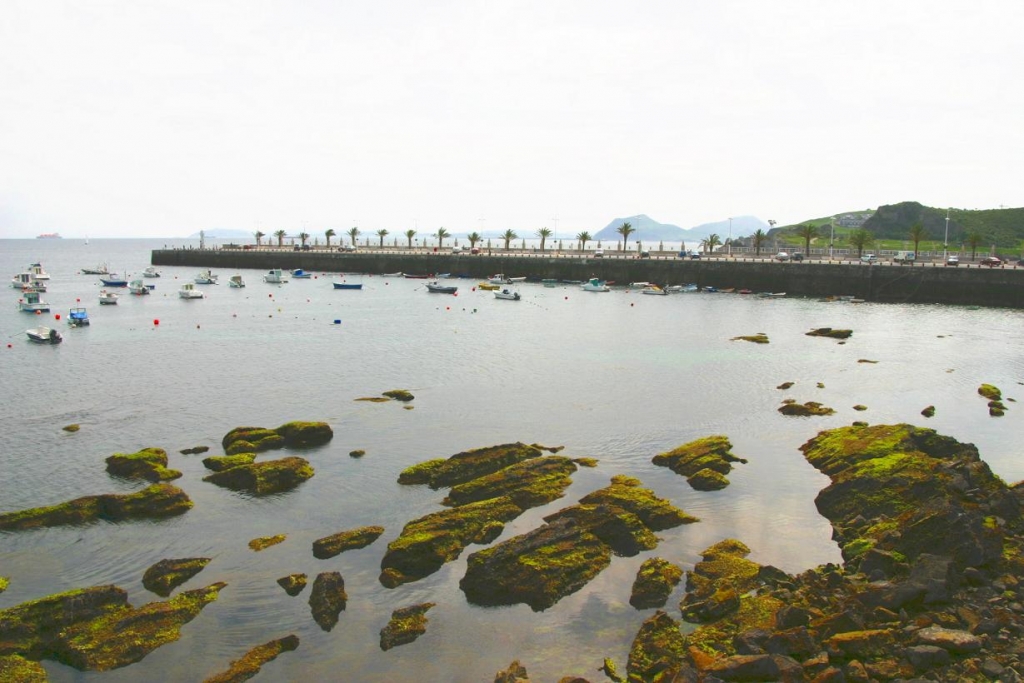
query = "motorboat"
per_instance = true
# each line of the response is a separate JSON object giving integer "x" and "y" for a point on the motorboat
{"x": 138, "y": 287}
{"x": 653, "y": 289}
{"x": 44, "y": 335}
{"x": 507, "y": 295}
{"x": 150, "y": 271}
{"x": 236, "y": 281}
{"x": 711, "y": 289}
{"x": 300, "y": 274}
{"x": 37, "y": 272}
{"x": 206, "y": 278}
{"x": 398, "y": 274}
{"x": 595, "y": 285}
{"x": 108, "y": 298}
{"x": 188, "y": 291}
{"x": 640, "y": 285}
{"x": 348, "y": 285}
{"x": 113, "y": 280}
{"x": 98, "y": 270}
{"x": 275, "y": 276}
{"x": 31, "y": 302}
{"x": 488, "y": 286}
{"x": 436, "y": 288}
{"x": 410, "y": 276}
{"x": 77, "y": 317}
{"x": 499, "y": 279}
{"x": 682, "y": 289}
{"x": 26, "y": 281}
{"x": 773, "y": 295}
{"x": 521, "y": 278}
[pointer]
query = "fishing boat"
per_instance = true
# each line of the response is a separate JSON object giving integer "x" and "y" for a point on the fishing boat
{"x": 26, "y": 281}
{"x": 507, "y": 295}
{"x": 488, "y": 286}
{"x": 138, "y": 287}
{"x": 188, "y": 291}
{"x": 641, "y": 285}
{"x": 300, "y": 274}
{"x": 499, "y": 279}
{"x": 31, "y": 302}
{"x": 37, "y": 272}
{"x": 398, "y": 274}
{"x": 410, "y": 276}
{"x": 682, "y": 289}
{"x": 113, "y": 280}
{"x": 711, "y": 289}
{"x": 98, "y": 270}
{"x": 275, "y": 277}
{"x": 77, "y": 317}
{"x": 771, "y": 295}
{"x": 44, "y": 335}
{"x": 595, "y": 285}
{"x": 654, "y": 289}
{"x": 236, "y": 281}
{"x": 348, "y": 285}
{"x": 150, "y": 271}
{"x": 108, "y": 298}
{"x": 436, "y": 288}
{"x": 206, "y": 278}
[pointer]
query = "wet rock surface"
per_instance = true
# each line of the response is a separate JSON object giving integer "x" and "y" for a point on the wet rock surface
{"x": 249, "y": 665}
{"x": 149, "y": 464}
{"x": 261, "y": 478}
{"x": 406, "y": 625}
{"x": 335, "y": 544}
{"x": 154, "y": 502}
{"x": 166, "y": 575}
{"x": 327, "y": 599}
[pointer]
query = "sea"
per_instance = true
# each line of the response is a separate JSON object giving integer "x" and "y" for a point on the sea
{"x": 616, "y": 376}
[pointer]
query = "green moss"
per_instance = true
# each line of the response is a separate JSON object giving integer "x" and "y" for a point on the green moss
{"x": 529, "y": 483}
{"x": 264, "y": 542}
{"x": 857, "y": 547}
{"x": 261, "y": 478}
{"x": 156, "y": 501}
{"x": 300, "y": 434}
{"x": 292, "y": 584}
{"x": 406, "y": 625}
{"x": 811, "y": 408}
{"x": 929, "y": 411}
{"x": 711, "y": 453}
{"x": 399, "y": 394}
{"x": 586, "y": 462}
{"x": 17, "y": 669}
{"x": 717, "y": 639}
{"x": 250, "y": 664}
{"x": 149, "y": 464}
{"x": 628, "y": 494}
{"x": 990, "y": 392}
{"x": 658, "y": 650}
{"x": 219, "y": 463}
{"x": 251, "y": 440}
{"x": 468, "y": 465}
{"x": 338, "y": 543}
{"x": 829, "y": 332}
{"x": 654, "y": 582}
{"x": 707, "y": 479}
{"x": 358, "y": 453}
{"x": 374, "y": 399}
{"x": 31, "y": 627}
{"x": 166, "y": 575}
{"x": 4, "y": 583}
{"x": 420, "y": 473}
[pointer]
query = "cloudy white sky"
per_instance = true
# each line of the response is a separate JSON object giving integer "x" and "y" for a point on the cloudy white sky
{"x": 164, "y": 117}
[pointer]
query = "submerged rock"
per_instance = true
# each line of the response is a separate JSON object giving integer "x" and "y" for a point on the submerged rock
{"x": 292, "y": 584}
{"x": 327, "y": 599}
{"x": 71, "y": 427}
{"x": 829, "y": 332}
{"x": 30, "y": 628}
{"x": 658, "y": 652}
{"x": 260, "y": 478}
{"x": 811, "y": 408}
{"x": 406, "y": 625}
{"x": 991, "y": 392}
{"x": 166, "y": 575}
{"x": 716, "y": 583}
{"x": 250, "y": 664}
{"x": 219, "y": 463}
{"x": 305, "y": 434}
{"x": 704, "y": 462}
{"x": 329, "y": 546}
{"x": 655, "y": 581}
{"x": 153, "y": 502}
{"x": 149, "y": 464}
{"x": 467, "y": 465}
{"x": 292, "y": 434}
{"x": 196, "y": 450}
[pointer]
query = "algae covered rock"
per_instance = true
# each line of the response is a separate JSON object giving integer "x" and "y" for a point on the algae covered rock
{"x": 292, "y": 584}
{"x": 329, "y": 546}
{"x": 707, "y": 457}
{"x": 263, "y": 542}
{"x": 809, "y": 409}
{"x": 759, "y": 338}
{"x": 991, "y": 392}
{"x": 658, "y": 652}
{"x": 196, "y": 450}
{"x": 929, "y": 411}
{"x": 399, "y": 395}
{"x": 219, "y": 463}
{"x": 166, "y": 575}
{"x": 251, "y": 440}
{"x": 529, "y": 483}
{"x": 829, "y": 332}
{"x": 250, "y": 664}
{"x": 406, "y": 625}
{"x": 260, "y": 478}
{"x": 357, "y": 453}
{"x": 149, "y": 464}
{"x": 655, "y": 581}
{"x": 468, "y": 465}
{"x": 717, "y": 581}
{"x": 31, "y": 627}
{"x": 327, "y": 599}
{"x": 154, "y": 502}
{"x": 17, "y": 669}
{"x": 4, "y": 582}
{"x": 708, "y": 479}
{"x": 71, "y": 427}
{"x": 122, "y": 637}
{"x": 305, "y": 434}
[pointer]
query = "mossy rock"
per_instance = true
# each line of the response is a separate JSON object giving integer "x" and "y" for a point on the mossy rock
{"x": 717, "y": 581}
{"x": 261, "y": 478}
{"x": 820, "y": 385}
{"x": 996, "y": 411}
{"x": 4, "y": 583}
{"x": 586, "y": 462}
{"x": 629, "y": 494}
{"x": 658, "y": 652}
{"x": 420, "y": 473}
{"x": 292, "y": 584}
{"x": 655, "y": 581}
{"x": 528, "y": 484}
{"x": 809, "y": 409}
{"x": 785, "y": 385}
{"x": 399, "y": 395}
{"x": 327, "y": 599}
{"x": 830, "y": 332}
{"x": 149, "y": 464}
{"x": 166, "y": 575}
{"x": 155, "y": 502}
{"x": 305, "y": 434}
{"x": 252, "y": 661}
{"x": 990, "y": 392}
{"x": 122, "y": 637}
{"x": 707, "y": 479}
{"x": 264, "y": 542}
{"x": 358, "y": 453}
{"x": 329, "y": 546}
{"x": 17, "y": 669}
{"x": 251, "y": 440}
{"x": 929, "y": 411}
{"x": 406, "y": 625}
{"x": 196, "y": 450}
{"x": 72, "y": 427}
{"x": 759, "y": 338}
{"x": 468, "y": 465}
{"x": 865, "y": 360}
{"x": 374, "y": 399}
{"x": 712, "y": 453}
{"x": 219, "y": 463}
{"x": 860, "y": 407}
{"x": 31, "y": 627}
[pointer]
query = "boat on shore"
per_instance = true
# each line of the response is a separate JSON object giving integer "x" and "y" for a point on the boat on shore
{"x": 275, "y": 277}
{"x": 435, "y": 288}
{"x": 78, "y": 317}
{"x": 108, "y": 298}
{"x": 236, "y": 281}
{"x": 44, "y": 335}
{"x": 31, "y": 302}
{"x": 507, "y": 295}
{"x": 189, "y": 291}
{"x": 348, "y": 285}
{"x": 595, "y": 285}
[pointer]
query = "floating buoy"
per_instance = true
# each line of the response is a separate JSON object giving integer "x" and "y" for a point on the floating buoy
{"x": 472, "y": 289}
{"x": 38, "y": 312}
{"x": 631, "y": 304}
{"x": 10, "y": 345}
{"x": 337, "y": 322}
{"x": 447, "y": 308}
{"x": 197, "y": 327}
{"x": 78, "y": 301}
{"x": 270, "y": 295}
{"x": 156, "y": 321}
{"x": 566, "y": 298}
{"x": 57, "y": 317}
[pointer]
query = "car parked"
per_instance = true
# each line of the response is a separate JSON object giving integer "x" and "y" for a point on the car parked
{"x": 990, "y": 261}
{"x": 782, "y": 256}
{"x": 869, "y": 258}
{"x": 796, "y": 256}
{"x": 599, "y": 253}
{"x": 953, "y": 261}
{"x": 474, "y": 250}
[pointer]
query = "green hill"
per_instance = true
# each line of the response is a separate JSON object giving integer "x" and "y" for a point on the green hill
{"x": 1001, "y": 227}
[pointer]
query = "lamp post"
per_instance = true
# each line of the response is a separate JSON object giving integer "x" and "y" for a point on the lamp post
{"x": 945, "y": 240}
{"x": 831, "y": 237}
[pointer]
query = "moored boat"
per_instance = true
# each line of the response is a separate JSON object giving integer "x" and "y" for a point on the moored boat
{"x": 31, "y": 302}
{"x": 44, "y": 335}
{"x": 677, "y": 289}
{"x": 236, "y": 281}
{"x": 138, "y": 287}
{"x": 275, "y": 276}
{"x": 113, "y": 280}
{"x": 398, "y": 274}
{"x": 410, "y": 276}
{"x": 595, "y": 285}
{"x": 108, "y": 298}
{"x": 98, "y": 270}
{"x": 37, "y": 272}
{"x": 188, "y": 291}
{"x": 206, "y": 278}
{"x": 26, "y": 281}
{"x": 348, "y": 285}
{"x": 300, "y": 274}
{"x": 150, "y": 271}
{"x": 488, "y": 286}
{"x": 436, "y": 288}
{"x": 507, "y": 295}
{"x": 78, "y": 317}
{"x": 653, "y": 289}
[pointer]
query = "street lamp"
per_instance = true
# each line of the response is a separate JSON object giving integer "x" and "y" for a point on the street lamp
{"x": 832, "y": 237}
{"x": 945, "y": 240}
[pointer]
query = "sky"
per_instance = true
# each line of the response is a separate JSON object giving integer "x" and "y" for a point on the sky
{"x": 160, "y": 118}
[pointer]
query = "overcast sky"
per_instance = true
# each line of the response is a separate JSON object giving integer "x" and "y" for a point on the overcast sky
{"x": 164, "y": 117}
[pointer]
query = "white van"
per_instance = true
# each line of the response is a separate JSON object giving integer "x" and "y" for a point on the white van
{"x": 904, "y": 257}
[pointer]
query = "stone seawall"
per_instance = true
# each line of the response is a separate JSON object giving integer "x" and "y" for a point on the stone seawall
{"x": 1001, "y": 287}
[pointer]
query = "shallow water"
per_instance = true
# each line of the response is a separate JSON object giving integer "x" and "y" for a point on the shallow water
{"x": 619, "y": 377}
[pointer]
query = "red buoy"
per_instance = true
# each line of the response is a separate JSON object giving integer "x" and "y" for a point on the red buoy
{"x": 156, "y": 321}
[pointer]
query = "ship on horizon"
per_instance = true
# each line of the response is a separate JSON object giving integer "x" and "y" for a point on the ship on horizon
{"x": 49, "y": 236}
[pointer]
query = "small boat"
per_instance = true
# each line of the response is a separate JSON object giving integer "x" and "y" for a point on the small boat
{"x": 26, "y": 281}
{"x": 507, "y": 295}
{"x": 682, "y": 289}
{"x": 189, "y": 291}
{"x": 409, "y": 276}
{"x": 348, "y": 285}
{"x": 138, "y": 287}
{"x": 113, "y": 280}
{"x": 771, "y": 295}
{"x": 236, "y": 281}
{"x": 150, "y": 272}
{"x": 77, "y": 317}
{"x": 98, "y": 270}
{"x": 746, "y": 291}
{"x": 44, "y": 335}
{"x": 517, "y": 279}
{"x": 488, "y": 286}
{"x": 728, "y": 290}
{"x": 711, "y": 289}
{"x": 30, "y": 302}
{"x": 398, "y": 274}
{"x": 275, "y": 277}
{"x": 108, "y": 298}
{"x": 37, "y": 272}
{"x": 654, "y": 289}
{"x": 595, "y": 285}
{"x": 499, "y": 279}
{"x": 206, "y": 278}
{"x": 435, "y": 288}
{"x": 300, "y": 274}
{"x": 641, "y": 285}
{"x": 442, "y": 276}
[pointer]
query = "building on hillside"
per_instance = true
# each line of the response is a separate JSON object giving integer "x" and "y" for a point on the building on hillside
{"x": 853, "y": 220}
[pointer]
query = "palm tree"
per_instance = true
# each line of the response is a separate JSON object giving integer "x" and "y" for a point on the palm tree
{"x": 709, "y": 243}
{"x": 759, "y": 238}
{"x": 473, "y": 238}
{"x": 303, "y": 236}
{"x": 329, "y": 233}
{"x": 625, "y": 230}
{"x": 509, "y": 235}
{"x": 382, "y": 233}
{"x": 807, "y": 232}
{"x": 583, "y": 238}
{"x": 973, "y": 239}
{"x": 280, "y": 237}
{"x": 917, "y": 233}
{"x": 859, "y": 239}
{"x": 409, "y": 234}
{"x": 353, "y": 234}
{"x": 543, "y": 234}
{"x": 441, "y": 234}
{"x": 259, "y": 235}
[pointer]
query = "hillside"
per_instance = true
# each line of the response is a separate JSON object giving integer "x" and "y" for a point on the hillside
{"x": 1001, "y": 227}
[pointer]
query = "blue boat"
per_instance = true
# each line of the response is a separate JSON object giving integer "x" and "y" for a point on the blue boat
{"x": 77, "y": 317}
{"x": 300, "y": 274}
{"x": 113, "y": 280}
{"x": 346, "y": 285}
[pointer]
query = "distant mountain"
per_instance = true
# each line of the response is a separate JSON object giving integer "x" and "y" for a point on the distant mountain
{"x": 649, "y": 230}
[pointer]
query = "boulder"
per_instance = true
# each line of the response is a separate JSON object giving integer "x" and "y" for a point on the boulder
{"x": 260, "y": 478}
{"x": 149, "y": 464}
{"x": 305, "y": 434}
{"x": 399, "y": 395}
{"x": 406, "y": 625}
{"x": 710, "y": 453}
{"x": 219, "y": 463}
{"x": 655, "y": 581}
{"x": 252, "y": 661}
{"x": 17, "y": 669}
{"x": 811, "y": 408}
{"x": 707, "y": 479}
{"x": 829, "y": 332}
{"x": 954, "y": 641}
{"x": 329, "y": 546}
{"x": 263, "y": 542}
{"x": 327, "y": 599}
{"x": 166, "y": 575}
{"x": 195, "y": 450}
{"x": 658, "y": 652}
{"x": 251, "y": 440}
{"x": 756, "y": 668}
{"x": 156, "y": 501}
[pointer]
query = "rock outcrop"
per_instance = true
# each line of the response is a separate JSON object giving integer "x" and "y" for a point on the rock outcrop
{"x": 149, "y": 464}
{"x": 154, "y": 502}
{"x": 332, "y": 545}
{"x": 260, "y": 478}
{"x": 327, "y": 599}
{"x": 250, "y": 664}
{"x": 166, "y": 575}
{"x": 406, "y": 625}
{"x": 703, "y": 462}
{"x": 655, "y": 581}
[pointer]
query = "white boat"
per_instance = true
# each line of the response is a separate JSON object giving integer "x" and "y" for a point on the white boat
{"x": 38, "y": 272}
{"x": 78, "y": 317}
{"x": 138, "y": 287}
{"x": 398, "y": 274}
{"x": 499, "y": 279}
{"x": 300, "y": 274}
{"x": 149, "y": 272}
{"x": 189, "y": 291}
{"x": 507, "y": 295}
{"x": 653, "y": 289}
{"x": 275, "y": 277}
{"x": 236, "y": 281}
{"x": 108, "y": 298}
{"x": 206, "y": 278}
{"x": 595, "y": 285}
{"x": 517, "y": 279}
{"x": 435, "y": 288}
{"x": 30, "y": 302}
{"x": 640, "y": 285}
{"x": 26, "y": 281}
{"x": 675, "y": 289}
{"x": 98, "y": 270}
{"x": 44, "y": 335}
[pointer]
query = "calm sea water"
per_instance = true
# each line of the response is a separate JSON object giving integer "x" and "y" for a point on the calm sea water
{"x": 619, "y": 377}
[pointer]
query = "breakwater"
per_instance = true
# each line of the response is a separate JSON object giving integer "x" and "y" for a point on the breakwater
{"x": 966, "y": 285}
